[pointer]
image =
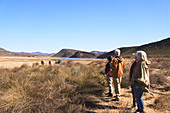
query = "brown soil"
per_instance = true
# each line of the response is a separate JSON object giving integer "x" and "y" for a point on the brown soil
{"x": 106, "y": 104}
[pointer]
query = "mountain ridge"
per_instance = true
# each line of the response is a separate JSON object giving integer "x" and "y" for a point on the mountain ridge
{"x": 72, "y": 53}
{"x": 4, "y": 52}
{"x": 65, "y": 53}
{"x": 153, "y": 49}
{"x": 82, "y": 54}
{"x": 37, "y": 53}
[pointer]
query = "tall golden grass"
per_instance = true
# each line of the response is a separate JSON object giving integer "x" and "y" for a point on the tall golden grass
{"x": 49, "y": 89}
{"x": 64, "y": 88}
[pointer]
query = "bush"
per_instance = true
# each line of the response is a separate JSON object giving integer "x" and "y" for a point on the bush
{"x": 162, "y": 103}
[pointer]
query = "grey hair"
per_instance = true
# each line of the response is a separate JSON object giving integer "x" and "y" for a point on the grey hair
{"x": 141, "y": 55}
{"x": 117, "y": 52}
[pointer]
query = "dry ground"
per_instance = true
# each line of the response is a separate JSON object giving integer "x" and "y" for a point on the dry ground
{"x": 11, "y": 62}
{"x": 106, "y": 104}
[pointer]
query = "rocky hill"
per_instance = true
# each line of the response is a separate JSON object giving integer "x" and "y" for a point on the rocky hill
{"x": 81, "y": 54}
{"x": 71, "y": 53}
{"x": 4, "y": 52}
{"x": 154, "y": 49}
{"x": 65, "y": 53}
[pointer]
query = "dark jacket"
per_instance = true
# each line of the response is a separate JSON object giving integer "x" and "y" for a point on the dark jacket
{"x": 107, "y": 67}
{"x": 132, "y": 69}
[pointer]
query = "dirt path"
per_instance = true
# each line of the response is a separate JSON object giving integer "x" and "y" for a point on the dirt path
{"x": 108, "y": 105}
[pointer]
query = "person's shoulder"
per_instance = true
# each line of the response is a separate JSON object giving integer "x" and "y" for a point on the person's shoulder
{"x": 114, "y": 59}
{"x": 135, "y": 61}
{"x": 119, "y": 57}
{"x": 142, "y": 64}
{"x": 107, "y": 63}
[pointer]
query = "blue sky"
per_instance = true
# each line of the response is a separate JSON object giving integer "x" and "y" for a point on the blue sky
{"x": 50, "y": 25}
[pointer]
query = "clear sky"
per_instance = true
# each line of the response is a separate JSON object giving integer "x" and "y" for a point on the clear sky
{"x": 50, "y": 25}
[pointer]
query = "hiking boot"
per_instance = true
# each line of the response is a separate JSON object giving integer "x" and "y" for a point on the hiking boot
{"x": 138, "y": 111}
{"x": 134, "y": 108}
{"x": 110, "y": 95}
{"x": 115, "y": 96}
{"x": 117, "y": 99}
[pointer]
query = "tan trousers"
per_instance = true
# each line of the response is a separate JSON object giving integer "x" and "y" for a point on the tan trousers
{"x": 117, "y": 82}
{"x": 109, "y": 83}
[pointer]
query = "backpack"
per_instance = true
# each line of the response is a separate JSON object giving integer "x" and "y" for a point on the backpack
{"x": 117, "y": 67}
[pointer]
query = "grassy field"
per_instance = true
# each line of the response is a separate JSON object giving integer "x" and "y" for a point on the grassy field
{"x": 74, "y": 87}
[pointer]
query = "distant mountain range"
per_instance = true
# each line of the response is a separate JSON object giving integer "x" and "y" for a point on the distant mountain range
{"x": 154, "y": 49}
{"x": 37, "y": 53}
{"x": 4, "y": 52}
{"x": 98, "y": 52}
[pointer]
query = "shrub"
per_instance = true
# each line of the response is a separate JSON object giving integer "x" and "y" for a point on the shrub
{"x": 162, "y": 103}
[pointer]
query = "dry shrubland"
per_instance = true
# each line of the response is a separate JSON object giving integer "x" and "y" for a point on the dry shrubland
{"x": 61, "y": 88}
{"x": 66, "y": 87}
{"x": 162, "y": 102}
{"x": 159, "y": 73}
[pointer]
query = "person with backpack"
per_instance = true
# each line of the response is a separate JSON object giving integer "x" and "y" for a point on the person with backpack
{"x": 117, "y": 67}
{"x": 109, "y": 75}
{"x": 140, "y": 79}
{"x": 134, "y": 107}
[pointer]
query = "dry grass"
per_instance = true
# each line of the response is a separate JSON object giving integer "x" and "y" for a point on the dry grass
{"x": 162, "y": 103}
{"x": 66, "y": 87}
{"x": 160, "y": 73}
{"x": 50, "y": 89}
